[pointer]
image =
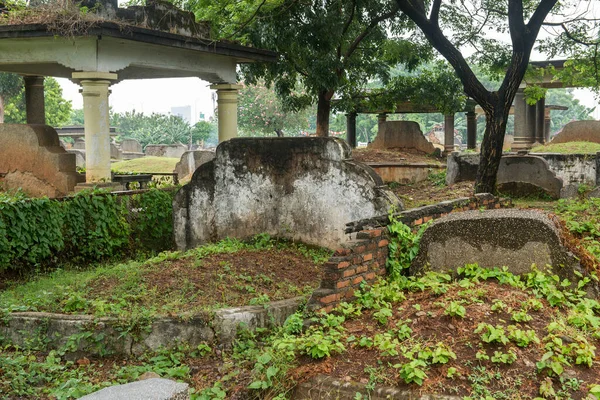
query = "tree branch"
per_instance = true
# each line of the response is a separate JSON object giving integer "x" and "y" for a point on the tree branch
{"x": 369, "y": 28}
{"x": 434, "y": 16}
{"x": 245, "y": 24}
{"x": 345, "y": 29}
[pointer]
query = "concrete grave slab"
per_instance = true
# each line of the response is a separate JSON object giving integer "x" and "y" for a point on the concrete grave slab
{"x": 495, "y": 238}
{"x": 191, "y": 160}
{"x": 303, "y": 189}
{"x": 148, "y": 389}
{"x": 402, "y": 135}
{"x": 166, "y": 150}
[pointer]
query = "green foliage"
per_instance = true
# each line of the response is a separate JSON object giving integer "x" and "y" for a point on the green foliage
{"x": 403, "y": 246}
{"x": 88, "y": 227}
{"x": 413, "y": 371}
{"x": 455, "y": 309}
{"x": 437, "y": 178}
{"x": 163, "y": 129}
{"x": 491, "y": 334}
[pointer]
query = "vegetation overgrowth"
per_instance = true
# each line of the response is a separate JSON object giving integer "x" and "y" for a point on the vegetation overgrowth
{"x": 90, "y": 226}
{"x": 145, "y": 164}
{"x": 230, "y": 273}
{"x": 568, "y": 148}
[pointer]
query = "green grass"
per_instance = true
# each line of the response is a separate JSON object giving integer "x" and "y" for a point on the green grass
{"x": 146, "y": 164}
{"x": 568, "y": 148}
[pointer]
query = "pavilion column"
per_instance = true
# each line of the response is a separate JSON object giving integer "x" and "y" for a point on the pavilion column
{"x": 530, "y": 124}
{"x": 522, "y": 140}
{"x": 227, "y": 98}
{"x": 351, "y": 129}
{"x": 96, "y": 124}
{"x": 381, "y": 119}
{"x": 448, "y": 133}
{"x": 34, "y": 99}
{"x": 547, "y": 123}
{"x": 471, "y": 130}
{"x": 540, "y": 108}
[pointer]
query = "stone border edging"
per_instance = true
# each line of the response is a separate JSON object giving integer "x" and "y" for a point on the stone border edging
{"x": 86, "y": 334}
{"x": 325, "y": 387}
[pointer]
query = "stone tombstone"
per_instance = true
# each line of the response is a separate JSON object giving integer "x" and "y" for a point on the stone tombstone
{"x": 79, "y": 144}
{"x": 79, "y": 157}
{"x": 115, "y": 152}
{"x": 401, "y": 135}
{"x": 579, "y": 131}
{"x": 131, "y": 146}
{"x": 517, "y": 174}
{"x": 304, "y": 189}
{"x": 166, "y": 150}
{"x": 191, "y": 160}
{"x": 512, "y": 238}
{"x": 32, "y": 158}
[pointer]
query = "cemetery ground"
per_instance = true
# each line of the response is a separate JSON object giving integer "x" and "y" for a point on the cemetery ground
{"x": 478, "y": 334}
{"x": 149, "y": 164}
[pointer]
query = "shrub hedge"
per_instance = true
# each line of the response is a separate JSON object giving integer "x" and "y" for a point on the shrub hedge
{"x": 89, "y": 226}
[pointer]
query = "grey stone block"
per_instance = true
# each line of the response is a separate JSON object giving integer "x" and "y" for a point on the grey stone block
{"x": 149, "y": 389}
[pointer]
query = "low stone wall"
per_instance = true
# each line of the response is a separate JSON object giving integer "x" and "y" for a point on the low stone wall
{"x": 405, "y": 173}
{"x": 574, "y": 169}
{"x": 107, "y": 335}
{"x": 166, "y": 150}
{"x": 32, "y": 158}
{"x": 364, "y": 258}
{"x": 304, "y": 189}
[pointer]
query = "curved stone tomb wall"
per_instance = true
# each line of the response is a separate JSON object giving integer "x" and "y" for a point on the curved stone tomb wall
{"x": 304, "y": 189}
{"x": 32, "y": 158}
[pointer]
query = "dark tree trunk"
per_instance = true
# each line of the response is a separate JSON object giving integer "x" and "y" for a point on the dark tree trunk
{"x": 279, "y": 132}
{"x": 323, "y": 110}
{"x": 491, "y": 150}
{"x": 1, "y": 109}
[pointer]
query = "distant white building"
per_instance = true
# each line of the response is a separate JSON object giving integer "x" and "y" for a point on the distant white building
{"x": 184, "y": 112}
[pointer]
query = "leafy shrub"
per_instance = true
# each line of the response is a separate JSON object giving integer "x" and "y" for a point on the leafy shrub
{"x": 88, "y": 227}
{"x": 403, "y": 246}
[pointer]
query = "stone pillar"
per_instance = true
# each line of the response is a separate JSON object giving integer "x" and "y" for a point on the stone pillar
{"x": 471, "y": 130}
{"x": 227, "y": 97}
{"x": 448, "y": 133}
{"x": 96, "y": 123}
{"x": 381, "y": 118}
{"x": 521, "y": 141}
{"x": 531, "y": 119}
{"x": 34, "y": 99}
{"x": 351, "y": 129}
{"x": 547, "y": 124}
{"x": 540, "y": 108}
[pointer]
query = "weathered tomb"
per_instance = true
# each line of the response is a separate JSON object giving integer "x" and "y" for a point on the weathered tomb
{"x": 579, "y": 131}
{"x": 401, "y": 135}
{"x": 191, "y": 160}
{"x": 166, "y": 150}
{"x": 131, "y": 146}
{"x": 510, "y": 238}
{"x": 304, "y": 189}
{"x": 32, "y": 158}
{"x": 517, "y": 174}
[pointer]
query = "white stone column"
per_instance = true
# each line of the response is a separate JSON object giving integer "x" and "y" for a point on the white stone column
{"x": 97, "y": 124}
{"x": 227, "y": 97}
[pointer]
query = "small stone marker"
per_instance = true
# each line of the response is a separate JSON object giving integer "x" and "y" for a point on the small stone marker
{"x": 149, "y": 389}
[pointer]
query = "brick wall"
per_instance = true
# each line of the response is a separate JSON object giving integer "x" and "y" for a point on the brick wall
{"x": 364, "y": 257}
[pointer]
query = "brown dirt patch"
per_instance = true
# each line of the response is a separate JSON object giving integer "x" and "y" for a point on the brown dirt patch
{"x": 218, "y": 280}
{"x": 425, "y": 193}
{"x": 407, "y": 157}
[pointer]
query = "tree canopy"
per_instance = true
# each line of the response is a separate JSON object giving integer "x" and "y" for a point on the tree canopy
{"x": 326, "y": 48}
{"x": 10, "y": 85}
{"x": 452, "y": 27}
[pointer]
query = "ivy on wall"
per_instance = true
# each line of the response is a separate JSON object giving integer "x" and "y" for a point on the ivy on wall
{"x": 90, "y": 226}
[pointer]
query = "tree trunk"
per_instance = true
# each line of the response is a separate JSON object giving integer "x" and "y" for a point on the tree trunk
{"x": 279, "y": 132}
{"x": 491, "y": 149}
{"x": 323, "y": 109}
{"x": 1, "y": 109}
